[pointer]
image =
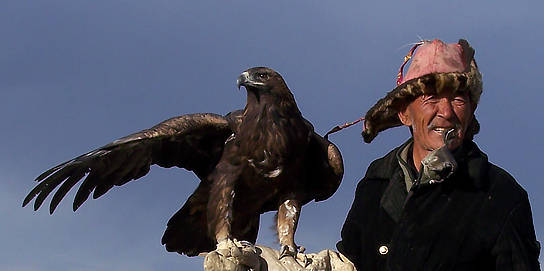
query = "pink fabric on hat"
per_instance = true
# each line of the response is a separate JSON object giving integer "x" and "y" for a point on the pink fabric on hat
{"x": 436, "y": 57}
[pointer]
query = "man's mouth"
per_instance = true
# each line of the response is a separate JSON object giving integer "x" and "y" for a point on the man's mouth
{"x": 441, "y": 130}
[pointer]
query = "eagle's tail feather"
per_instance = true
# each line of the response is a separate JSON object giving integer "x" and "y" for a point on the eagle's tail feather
{"x": 186, "y": 232}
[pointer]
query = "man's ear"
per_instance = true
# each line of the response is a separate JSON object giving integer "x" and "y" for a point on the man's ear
{"x": 404, "y": 116}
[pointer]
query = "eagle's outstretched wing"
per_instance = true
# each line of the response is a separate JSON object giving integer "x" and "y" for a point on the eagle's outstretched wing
{"x": 193, "y": 141}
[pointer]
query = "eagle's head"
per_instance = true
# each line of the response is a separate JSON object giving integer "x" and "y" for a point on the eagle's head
{"x": 263, "y": 81}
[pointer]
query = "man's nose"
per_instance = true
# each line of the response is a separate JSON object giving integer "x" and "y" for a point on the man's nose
{"x": 445, "y": 108}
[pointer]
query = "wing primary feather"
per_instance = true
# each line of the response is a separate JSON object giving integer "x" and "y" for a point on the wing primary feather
{"x": 45, "y": 192}
{"x": 51, "y": 170}
{"x": 33, "y": 194}
{"x": 80, "y": 159}
{"x": 64, "y": 188}
{"x": 101, "y": 189}
{"x": 85, "y": 189}
{"x": 50, "y": 183}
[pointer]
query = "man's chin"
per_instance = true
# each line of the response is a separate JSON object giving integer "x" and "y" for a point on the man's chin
{"x": 436, "y": 140}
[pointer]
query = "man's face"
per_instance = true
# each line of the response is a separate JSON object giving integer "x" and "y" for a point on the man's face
{"x": 432, "y": 115}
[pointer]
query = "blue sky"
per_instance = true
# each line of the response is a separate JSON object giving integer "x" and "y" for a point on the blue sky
{"x": 75, "y": 75}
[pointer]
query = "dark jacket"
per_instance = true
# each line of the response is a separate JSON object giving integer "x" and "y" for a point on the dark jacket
{"x": 478, "y": 219}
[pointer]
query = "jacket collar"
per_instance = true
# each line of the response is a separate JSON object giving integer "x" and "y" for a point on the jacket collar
{"x": 395, "y": 193}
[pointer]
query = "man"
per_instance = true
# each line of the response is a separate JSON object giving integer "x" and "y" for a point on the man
{"x": 435, "y": 202}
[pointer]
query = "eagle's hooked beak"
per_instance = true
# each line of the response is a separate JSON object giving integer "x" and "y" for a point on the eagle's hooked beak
{"x": 243, "y": 79}
{"x": 246, "y": 80}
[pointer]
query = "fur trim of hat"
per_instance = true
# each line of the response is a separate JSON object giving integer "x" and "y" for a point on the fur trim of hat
{"x": 384, "y": 114}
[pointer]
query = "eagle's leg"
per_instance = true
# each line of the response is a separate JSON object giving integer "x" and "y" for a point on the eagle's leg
{"x": 220, "y": 206}
{"x": 220, "y": 218}
{"x": 288, "y": 214}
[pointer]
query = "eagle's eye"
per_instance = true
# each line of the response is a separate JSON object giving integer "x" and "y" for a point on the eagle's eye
{"x": 263, "y": 76}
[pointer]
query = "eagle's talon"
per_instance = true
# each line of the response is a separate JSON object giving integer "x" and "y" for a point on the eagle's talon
{"x": 246, "y": 243}
{"x": 307, "y": 261}
{"x": 287, "y": 250}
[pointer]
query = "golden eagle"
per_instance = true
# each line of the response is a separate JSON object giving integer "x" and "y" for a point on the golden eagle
{"x": 262, "y": 158}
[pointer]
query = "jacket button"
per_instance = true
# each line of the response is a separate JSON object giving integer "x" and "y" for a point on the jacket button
{"x": 383, "y": 250}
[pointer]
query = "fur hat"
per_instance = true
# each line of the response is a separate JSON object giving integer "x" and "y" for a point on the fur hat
{"x": 436, "y": 66}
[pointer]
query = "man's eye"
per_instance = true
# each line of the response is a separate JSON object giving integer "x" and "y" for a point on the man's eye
{"x": 459, "y": 100}
{"x": 429, "y": 98}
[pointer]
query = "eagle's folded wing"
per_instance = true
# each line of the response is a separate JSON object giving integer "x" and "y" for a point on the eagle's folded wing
{"x": 324, "y": 166}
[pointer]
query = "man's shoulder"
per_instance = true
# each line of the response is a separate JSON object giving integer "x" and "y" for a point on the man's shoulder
{"x": 504, "y": 185}
{"x": 501, "y": 186}
{"x": 384, "y": 167}
{"x": 494, "y": 180}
